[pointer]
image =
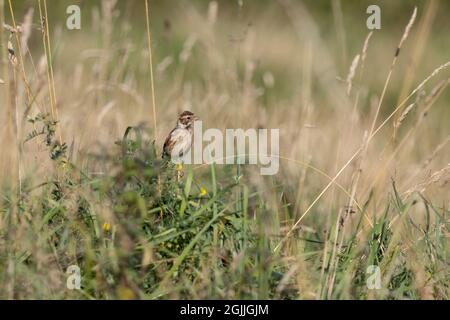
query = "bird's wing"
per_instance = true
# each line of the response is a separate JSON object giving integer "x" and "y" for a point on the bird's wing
{"x": 176, "y": 136}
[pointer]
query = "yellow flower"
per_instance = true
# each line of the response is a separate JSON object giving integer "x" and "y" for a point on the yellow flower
{"x": 179, "y": 167}
{"x": 106, "y": 227}
{"x": 203, "y": 192}
{"x": 125, "y": 293}
{"x": 64, "y": 163}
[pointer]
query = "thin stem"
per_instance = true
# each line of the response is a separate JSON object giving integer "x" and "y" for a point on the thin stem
{"x": 149, "y": 43}
{"x": 50, "y": 75}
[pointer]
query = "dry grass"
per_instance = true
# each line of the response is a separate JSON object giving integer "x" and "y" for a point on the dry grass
{"x": 363, "y": 139}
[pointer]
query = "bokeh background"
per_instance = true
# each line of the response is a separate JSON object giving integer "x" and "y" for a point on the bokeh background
{"x": 281, "y": 64}
{"x": 241, "y": 64}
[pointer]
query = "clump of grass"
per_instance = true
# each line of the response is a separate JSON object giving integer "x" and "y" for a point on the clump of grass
{"x": 136, "y": 230}
{"x": 132, "y": 241}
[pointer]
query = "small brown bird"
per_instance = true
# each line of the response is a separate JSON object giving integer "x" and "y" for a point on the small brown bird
{"x": 179, "y": 140}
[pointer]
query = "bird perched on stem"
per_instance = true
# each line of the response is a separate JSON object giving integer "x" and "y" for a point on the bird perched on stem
{"x": 179, "y": 140}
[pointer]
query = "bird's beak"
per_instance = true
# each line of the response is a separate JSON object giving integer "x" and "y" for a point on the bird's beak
{"x": 196, "y": 118}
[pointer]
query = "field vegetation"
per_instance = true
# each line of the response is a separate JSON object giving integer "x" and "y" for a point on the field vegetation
{"x": 364, "y": 175}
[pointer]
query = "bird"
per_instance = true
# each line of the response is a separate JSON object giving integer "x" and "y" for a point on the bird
{"x": 179, "y": 140}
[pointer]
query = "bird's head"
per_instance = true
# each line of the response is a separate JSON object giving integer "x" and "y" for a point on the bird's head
{"x": 186, "y": 120}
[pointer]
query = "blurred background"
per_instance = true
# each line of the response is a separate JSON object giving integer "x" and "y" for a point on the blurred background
{"x": 309, "y": 68}
{"x": 245, "y": 64}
